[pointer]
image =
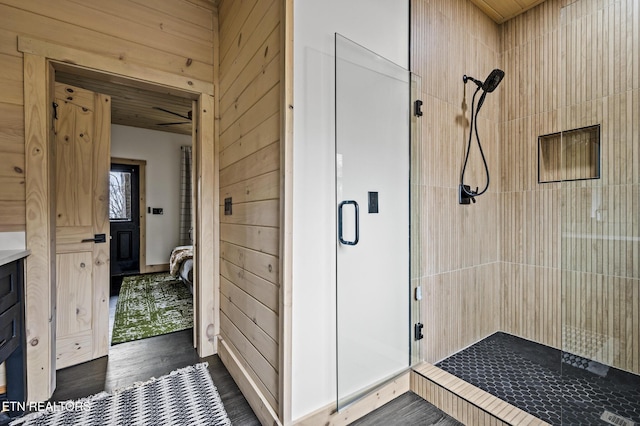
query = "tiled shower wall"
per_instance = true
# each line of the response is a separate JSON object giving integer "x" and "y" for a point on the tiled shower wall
{"x": 570, "y": 251}
{"x": 530, "y": 227}
{"x": 455, "y": 248}
{"x": 556, "y": 263}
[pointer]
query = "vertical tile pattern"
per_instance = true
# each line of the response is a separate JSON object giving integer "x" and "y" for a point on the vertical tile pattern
{"x": 457, "y": 261}
{"x": 530, "y": 222}
{"x": 600, "y": 239}
{"x": 557, "y": 263}
{"x": 570, "y": 251}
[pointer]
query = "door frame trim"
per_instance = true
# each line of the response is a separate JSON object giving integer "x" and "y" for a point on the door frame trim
{"x": 142, "y": 202}
{"x": 41, "y": 60}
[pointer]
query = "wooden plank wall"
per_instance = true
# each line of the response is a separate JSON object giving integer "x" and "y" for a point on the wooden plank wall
{"x": 249, "y": 115}
{"x": 167, "y": 38}
{"x": 457, "y": 258}
{"x": 571, "y": 251}
{"x": 167, "y": 35}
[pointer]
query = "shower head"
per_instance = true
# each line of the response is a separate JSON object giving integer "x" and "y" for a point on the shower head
{"x": 491, "y": 82}
{"x": 466, "y": 194}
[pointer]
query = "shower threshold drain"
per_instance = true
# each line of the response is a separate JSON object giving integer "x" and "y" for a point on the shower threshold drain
{"x": 614, "y": 419}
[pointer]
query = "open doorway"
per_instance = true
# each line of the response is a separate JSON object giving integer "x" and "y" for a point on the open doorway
{"x": 42, "y": 59}
{"x": 155, "y": 298}
{"x": 147, "y": 200}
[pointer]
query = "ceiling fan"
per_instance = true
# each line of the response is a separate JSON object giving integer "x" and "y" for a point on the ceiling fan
{"x": 186, "y": 117}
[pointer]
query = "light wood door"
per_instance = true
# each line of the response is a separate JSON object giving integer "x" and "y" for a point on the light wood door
{"x": 82, "y": 153}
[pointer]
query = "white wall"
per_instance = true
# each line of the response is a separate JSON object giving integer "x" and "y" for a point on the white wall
{"x": 383, "y": 27}
{"x": 12, "y": 240}
{"x": 161, "y": 150}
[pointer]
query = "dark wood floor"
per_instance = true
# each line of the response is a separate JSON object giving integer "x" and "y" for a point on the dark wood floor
{"x": 140, "y": 360}
{"x": 410, "y": 410}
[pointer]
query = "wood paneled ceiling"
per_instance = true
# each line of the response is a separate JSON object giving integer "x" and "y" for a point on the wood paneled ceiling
{"x": 138, "y": 107}
{"x": 503, "y": 10}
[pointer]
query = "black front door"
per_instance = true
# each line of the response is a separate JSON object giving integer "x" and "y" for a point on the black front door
{"x": 124, "y": 215}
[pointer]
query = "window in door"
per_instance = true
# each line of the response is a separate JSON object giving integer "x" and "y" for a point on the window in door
{"x": 119, "y": 196}
{"x": 124, "y": 215}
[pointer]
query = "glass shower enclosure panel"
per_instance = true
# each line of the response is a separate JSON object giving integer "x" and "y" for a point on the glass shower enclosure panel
{"x": 600, "y": 292}
{"x": 372, "y": 206}
{"x": 599, "y": 222}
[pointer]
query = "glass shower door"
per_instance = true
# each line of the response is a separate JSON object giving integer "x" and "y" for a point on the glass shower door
{"x": 599, "y": 221}
{"x": 372, "y": 204}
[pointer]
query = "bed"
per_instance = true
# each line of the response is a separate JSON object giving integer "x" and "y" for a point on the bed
{"x": 181, "y": 265}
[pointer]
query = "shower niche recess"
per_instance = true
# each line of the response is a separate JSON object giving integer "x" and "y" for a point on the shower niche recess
{"x": 569, "y": 155}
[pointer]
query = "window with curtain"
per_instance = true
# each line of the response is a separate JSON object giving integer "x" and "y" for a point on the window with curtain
{"x": 186, "y": 195}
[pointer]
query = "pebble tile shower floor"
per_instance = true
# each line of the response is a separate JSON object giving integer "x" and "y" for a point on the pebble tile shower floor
{"x": 533, "y": 378}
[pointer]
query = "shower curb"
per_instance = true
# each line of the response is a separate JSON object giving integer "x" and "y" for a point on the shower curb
{"x": 465, "y": 402}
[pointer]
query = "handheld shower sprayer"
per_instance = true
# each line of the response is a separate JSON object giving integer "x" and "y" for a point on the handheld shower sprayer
{"x": 465, "y": 194}
{"x": 492, "y": 80}
{"x": 490, "y": 83}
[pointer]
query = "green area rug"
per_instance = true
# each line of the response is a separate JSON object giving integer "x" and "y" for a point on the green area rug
{"x": 151, "y": 305}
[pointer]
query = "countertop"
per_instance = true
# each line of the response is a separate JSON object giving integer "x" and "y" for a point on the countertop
{"x": 8, "y": 256}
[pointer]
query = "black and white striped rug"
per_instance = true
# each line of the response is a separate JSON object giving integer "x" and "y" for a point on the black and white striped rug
{"x": 183, "y": 397}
